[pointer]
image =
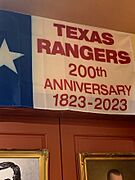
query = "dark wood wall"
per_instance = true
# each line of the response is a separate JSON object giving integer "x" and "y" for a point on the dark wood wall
{"x": 65, "y": 134}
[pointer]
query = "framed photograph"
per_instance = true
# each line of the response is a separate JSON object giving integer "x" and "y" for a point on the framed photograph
{"x": 107, "y": 166}
{"x": 24, "y": 165}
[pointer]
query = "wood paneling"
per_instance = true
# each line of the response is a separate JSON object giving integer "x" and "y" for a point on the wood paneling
{"x": 65, "y": 134}
{"x": 91, "y": 135}
{"x": 28, "y": 129}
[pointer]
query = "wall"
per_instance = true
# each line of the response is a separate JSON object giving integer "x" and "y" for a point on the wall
{"x": 65, "y": 134}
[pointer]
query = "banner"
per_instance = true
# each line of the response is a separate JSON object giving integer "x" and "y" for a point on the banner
{"x": 57, "y": 65}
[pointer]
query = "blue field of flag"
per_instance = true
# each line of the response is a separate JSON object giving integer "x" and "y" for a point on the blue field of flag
{"x": 15, "y": 60}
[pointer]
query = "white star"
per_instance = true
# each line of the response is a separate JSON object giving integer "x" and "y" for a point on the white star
{"x": 7, "y": 56}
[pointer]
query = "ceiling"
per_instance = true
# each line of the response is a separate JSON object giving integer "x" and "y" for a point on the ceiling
{"x": 111, "y": 14}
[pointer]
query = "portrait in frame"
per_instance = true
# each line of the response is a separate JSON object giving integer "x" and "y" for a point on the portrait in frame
{"x": 107, "y": 166}
{"x": 23, "y": 165}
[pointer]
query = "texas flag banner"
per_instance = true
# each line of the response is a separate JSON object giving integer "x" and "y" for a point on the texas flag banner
{"x": 55, "y": 65}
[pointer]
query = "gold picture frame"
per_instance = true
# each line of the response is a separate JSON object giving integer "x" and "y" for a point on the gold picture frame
{"x": 104, "y": 166}
{"x": 24, "y": 165}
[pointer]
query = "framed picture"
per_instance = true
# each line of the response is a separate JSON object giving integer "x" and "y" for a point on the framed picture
{"x": 24, "y": 165}
{"x": 107, "y": 166}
